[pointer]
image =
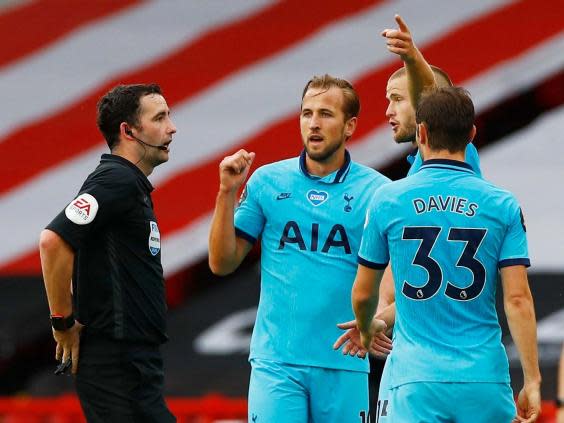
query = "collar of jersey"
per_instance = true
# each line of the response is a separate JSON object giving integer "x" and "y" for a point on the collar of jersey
{"x": 335, "y": 177}
{"x": 447, "y": 164}
{"x": 411, "y": 156}
{"x": 118, "y": 159}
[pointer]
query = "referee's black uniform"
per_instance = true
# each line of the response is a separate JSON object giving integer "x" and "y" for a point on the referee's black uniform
{"x": 118, "y": 294}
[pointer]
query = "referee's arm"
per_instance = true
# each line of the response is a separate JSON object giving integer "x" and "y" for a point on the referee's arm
{"x": 57, "y": 259}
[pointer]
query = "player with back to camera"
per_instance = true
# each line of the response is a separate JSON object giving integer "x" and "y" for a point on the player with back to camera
{"x": 403, "y": 91}
{"x": 447, "y": 233}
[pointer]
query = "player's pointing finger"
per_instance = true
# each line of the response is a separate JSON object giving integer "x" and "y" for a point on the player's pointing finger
{"x": 401, "y": 24}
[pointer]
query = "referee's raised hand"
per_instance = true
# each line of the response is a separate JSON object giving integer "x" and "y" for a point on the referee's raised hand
{"x": 233, "y": 170}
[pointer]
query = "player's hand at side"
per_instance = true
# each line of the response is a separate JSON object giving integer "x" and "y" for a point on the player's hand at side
{"x": 233, "y": 170}
{"x": 399, "y": 40}
{"x": 528, "y": 404}
{"x": 376, "y": 326}
{"x": 350, "y": 340}
{"x": 68, "y": 345}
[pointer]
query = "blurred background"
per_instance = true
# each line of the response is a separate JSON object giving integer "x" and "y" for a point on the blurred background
{"x": 233, "y": 72}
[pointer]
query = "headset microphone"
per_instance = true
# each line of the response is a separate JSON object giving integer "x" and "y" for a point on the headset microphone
{"x": 160, "y": 147}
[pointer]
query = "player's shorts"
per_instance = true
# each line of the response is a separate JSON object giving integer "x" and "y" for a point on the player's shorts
{"x": 383, "y": 405}
{"x": 438, "y": 402}
{"x": 287, "y": 393}
{"x": 120, "y": 382}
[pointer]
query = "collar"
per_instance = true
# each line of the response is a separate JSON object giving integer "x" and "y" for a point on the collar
{"x": 335, "y": 177}
{"x": 411, "y": 156}
{"x": 447, "y": 164}
{"x": 114, "y": 158}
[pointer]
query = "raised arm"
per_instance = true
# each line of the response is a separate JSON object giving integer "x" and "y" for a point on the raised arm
{"x": 226, "y": 250}
{"x": 520, "y": 312}
{"x": 420, "y": 76}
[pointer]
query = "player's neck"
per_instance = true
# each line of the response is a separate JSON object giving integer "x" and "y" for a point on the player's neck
{"x": 324, "y": 168}
{"x": 444, "y": 154}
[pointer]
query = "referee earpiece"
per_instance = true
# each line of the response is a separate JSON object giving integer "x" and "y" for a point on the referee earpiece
{"x": 128, "y": 131}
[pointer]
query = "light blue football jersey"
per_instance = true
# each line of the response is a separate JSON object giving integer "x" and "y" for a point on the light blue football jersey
{"x": 310, "y": 230}
{"x": 446, "y": 232}
{"x": 471, "y": 157}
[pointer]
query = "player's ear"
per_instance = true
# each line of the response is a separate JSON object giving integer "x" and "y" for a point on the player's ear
{"x": 421, "y": 133}
{"x": 350, "y": 126}
{"x": 472, "y": 133}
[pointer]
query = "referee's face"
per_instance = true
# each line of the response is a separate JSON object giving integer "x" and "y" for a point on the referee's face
{"x": 156, "y": 129}
{"x": 323, "y": 125}
{"x": 400, "y": 112}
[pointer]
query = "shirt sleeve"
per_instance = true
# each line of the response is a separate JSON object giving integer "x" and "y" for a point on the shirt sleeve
{"x": 514, "y": 250}
{"x": 374, "y": 252}
{"x": 249, "y": 216}
{"x": 99, "y": 201}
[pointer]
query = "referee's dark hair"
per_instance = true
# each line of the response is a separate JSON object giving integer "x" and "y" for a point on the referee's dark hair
{"x": 121, "y": 104}
{"x": 448, "y": 114}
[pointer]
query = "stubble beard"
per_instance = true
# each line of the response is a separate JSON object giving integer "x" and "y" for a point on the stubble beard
{"x": 323, "y": 155}
{"x": 405, "y": 136}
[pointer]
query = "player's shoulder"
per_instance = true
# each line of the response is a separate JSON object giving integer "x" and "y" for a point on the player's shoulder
{"x": 388, "y": 195}
{"x": 281, "y": 168}
{"x": 358, "y": 170}
{"x": 268, "y": 176}
{"x": 496, "y": 193}
{"x": 399, "y": 185}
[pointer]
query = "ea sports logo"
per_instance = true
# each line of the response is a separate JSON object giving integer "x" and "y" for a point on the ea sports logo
{"x": 82, "y": 210}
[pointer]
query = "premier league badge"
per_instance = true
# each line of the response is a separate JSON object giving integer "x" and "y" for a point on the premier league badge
{"x": 154, "y": 239}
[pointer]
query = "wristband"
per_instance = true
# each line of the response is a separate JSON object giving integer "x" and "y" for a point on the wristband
{"x": 58, "y": 322}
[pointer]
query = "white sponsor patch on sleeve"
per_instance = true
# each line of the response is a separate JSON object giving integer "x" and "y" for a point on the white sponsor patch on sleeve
{"x": 154, "y": 238}
{"x": 82, "y": 210}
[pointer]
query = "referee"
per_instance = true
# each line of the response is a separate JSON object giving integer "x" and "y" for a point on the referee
{"x": 110, "y": 320}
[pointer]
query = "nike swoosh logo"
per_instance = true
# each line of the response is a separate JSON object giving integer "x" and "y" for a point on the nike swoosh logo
{"x": 284, "y": 195}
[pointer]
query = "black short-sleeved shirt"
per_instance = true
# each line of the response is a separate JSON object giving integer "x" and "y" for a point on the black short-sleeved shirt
{"x": 118, "y": 284}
